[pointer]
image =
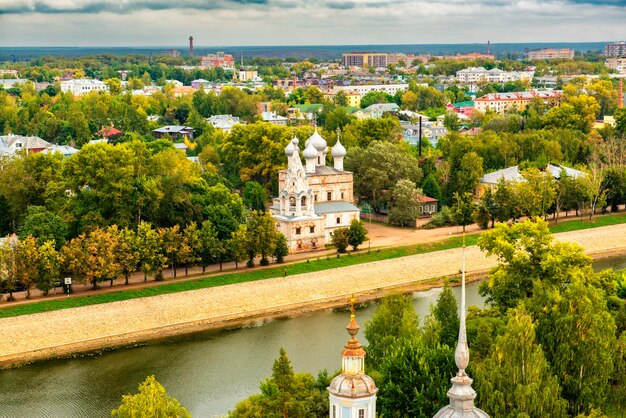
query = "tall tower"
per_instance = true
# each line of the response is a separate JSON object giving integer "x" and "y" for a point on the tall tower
{"x": 488, "y": 47}
{"x": 191, "y": 46}
{"x": 352, "y": 393}
{"x": 461, "y": 394}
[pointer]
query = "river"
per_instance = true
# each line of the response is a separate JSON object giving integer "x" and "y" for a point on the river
{"x": 207, "y": 372}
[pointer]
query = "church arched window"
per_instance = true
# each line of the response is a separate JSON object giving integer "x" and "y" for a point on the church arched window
{"x": 303, "y": 202}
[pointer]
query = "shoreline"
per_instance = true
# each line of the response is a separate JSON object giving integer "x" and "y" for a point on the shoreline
{"x": 91, "y": 329}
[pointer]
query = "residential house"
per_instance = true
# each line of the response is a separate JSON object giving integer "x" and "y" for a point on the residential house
{"x": 199, "y": 83}
{"x": 7, "y": 83}
{"x": 273, "y": 117}
{"x": 224, "y": 123}
{"x": 513, "y": 174}
{"x": 428, "y": 206}
{"x": 17, "y": 143}
{"x": 64, "y": 150}
{"x": 461, "y": 108}
{"x": 174, "y": 132}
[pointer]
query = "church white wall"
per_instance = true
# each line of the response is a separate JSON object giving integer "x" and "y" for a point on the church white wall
{"x": 349, "y": 407}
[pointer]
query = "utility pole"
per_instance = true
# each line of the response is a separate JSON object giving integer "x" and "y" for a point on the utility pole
{"x": 420, "y": 136}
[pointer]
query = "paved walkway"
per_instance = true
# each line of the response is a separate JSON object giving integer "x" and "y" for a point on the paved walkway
{"x": 78, "y": 329}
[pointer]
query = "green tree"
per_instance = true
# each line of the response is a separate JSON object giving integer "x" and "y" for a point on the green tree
{"x": 44, "y": 225}
{"x": 8, "y": 267}
{"x": 515, "y": 379}
{"x": 452, "y": 122}
{"x": 152, "y": 401}
{"x": 404, "y": 204}
{"x": 262, "y": 236}
{"x": 446, "y": 313}
{"x": 357, "y": 234}
{"x": 536, "y": 195}
{"x": 255, "y": 196}
{"x": 211, "y": 248}
{"x": 431, "y": 188}
{"x": 127, "y": 251}
{"x": 463, "y": 209}
{"x": 415, "y": 379}
{"x": 340, "y": 239}
{"x": 151, "y": 258}
{"x": 281, "y": 249}
{"x": 394, "y": 320}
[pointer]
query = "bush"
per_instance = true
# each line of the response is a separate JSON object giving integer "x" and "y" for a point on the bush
{"x": 442, "y": 218}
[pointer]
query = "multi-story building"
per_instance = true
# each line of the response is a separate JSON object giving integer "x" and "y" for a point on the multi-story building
{"x": 551, "y": 53}
{"x": 219, "y": 59}
{"x": 615, "y": 49}
{"x": 518, "y": 100}
{"x": 617, "y": 64}
{"x": 172, "y": 53}
{"x": 495, "y": 75}
{"x": 12, "y": 73}
{"x": 82, "y": 86}
{"x": 364, "y": 59}
{"x": 363, "y": 89}
{"x": 408, "y": 59}
{"x": 470, "y": 56}
{"x": 243, "y": 75}
{"x": 353, "y": 98}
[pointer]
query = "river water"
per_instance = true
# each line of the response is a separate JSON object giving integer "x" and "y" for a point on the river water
{"x": 207, "y": 372}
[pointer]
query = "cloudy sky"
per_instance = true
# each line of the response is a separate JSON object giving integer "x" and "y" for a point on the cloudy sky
{"x": 306, "y": 22}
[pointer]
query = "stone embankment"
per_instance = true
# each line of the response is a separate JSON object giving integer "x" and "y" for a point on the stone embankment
{"x": 58, "y": 333}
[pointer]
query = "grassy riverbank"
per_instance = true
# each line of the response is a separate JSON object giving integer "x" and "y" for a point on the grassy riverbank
{"x": 311, "y": 265}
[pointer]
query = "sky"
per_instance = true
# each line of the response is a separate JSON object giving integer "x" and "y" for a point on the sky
{"x": 306, "y": 22}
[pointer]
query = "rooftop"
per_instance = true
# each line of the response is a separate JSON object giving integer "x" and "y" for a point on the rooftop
{"x": 334, "y": 207}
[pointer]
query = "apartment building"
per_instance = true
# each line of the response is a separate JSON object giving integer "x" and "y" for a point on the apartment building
{"x": 551, "y": 53}
{"x": 495, "y": 75}
{"x": 364, "y": 59}
{"x": 83, "y": 86}
{"x": 617, "y": 64}
{"x": 518, "y": 100}
{"x": 615, "y": 49}
{"x": 363, "y": 89}
{"x": 219, "y": 59}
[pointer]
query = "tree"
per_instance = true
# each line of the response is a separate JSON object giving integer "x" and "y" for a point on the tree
{"x": 340, "y": 239}
{"x": 446, "y": 313}
{"x": 48, "y": 264}
{"x": 536, "y": 195}
{"x": 151, "y": 260}
{"x": 44, "y": 225}
{"x": 404, "y": 204}
{"x": 171, "y": 244}
{"x": 515, "y": 378}
{"x": 8, "y": 266}
{"x": 463, "y": 209}
{"x": 261, "y": 236}
{"x": 211, "y": 248}
{"x": 190, "y": 248}
{"x": 431, "y": 188}
{"x": 415, "y": 379}
{"x": 591, "y": 187}
{"x": 452, "y": 122}
{"x": 357, "y": 234}
{"x": 378, "y": 168}
{"x": 286, "y": 394}
{"x": 152, "y": 401}
{"x": 27, "y": 253}
{"x": 255, "y": 196}
{"x": 578, "y": 335}
{"x": 115, "y": 85}
{"x": 281, "y": 249}
{"x": 527, "y": 258}
{"x": 238, "y": 246}
{"x": 127, "y": 251}
{"x": 394, "y": 320}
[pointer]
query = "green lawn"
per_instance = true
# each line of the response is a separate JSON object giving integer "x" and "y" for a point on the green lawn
{"x": 314, "y": 264}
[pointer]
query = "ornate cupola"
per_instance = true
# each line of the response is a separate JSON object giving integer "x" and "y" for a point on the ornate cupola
{"x": 352, "y": 393}
{"x": 338, "y": 152}
{"x": 320, "y": 146}
{"x": 461, "y": 394}
{"x": 310, "y": 157}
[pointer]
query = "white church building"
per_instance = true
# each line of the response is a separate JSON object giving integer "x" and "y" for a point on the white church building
{"x": 313, "y": 199}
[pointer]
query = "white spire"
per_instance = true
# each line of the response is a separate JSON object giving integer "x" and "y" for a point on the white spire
{"x": 461, "y": 394}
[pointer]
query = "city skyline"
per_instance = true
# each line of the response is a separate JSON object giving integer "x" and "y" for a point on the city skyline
{"x": 317, "y": 22}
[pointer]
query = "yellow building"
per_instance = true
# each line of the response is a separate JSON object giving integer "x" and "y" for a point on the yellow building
{"x": 364, "y": 59}
{"x": 353, "y": 98}
{"x": 501, "y": 102}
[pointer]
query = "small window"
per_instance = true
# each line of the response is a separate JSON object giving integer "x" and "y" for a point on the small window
{"x": 361, "y": 413}
{"x": 334, "y": 411}
{"x": 421, "y": 209}
{"x": 312, "y": 229}
{"x": 341, "y": 195}
{"x": 329, "y": 195}
{"x": 338, "y": 220}
{"x": 298, "y": 231}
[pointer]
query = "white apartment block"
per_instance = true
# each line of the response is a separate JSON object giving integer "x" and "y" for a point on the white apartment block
{"x": 495, "y": 75}
{"x": 363, "y": 89}
{"x": 82, "y": 86}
